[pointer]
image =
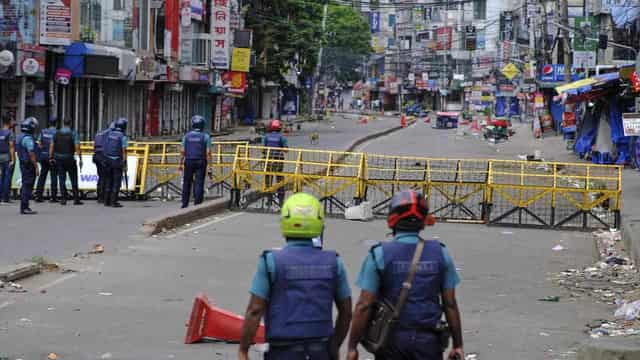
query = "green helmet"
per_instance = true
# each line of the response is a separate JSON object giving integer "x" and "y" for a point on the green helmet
{"x": 301, "y": 217}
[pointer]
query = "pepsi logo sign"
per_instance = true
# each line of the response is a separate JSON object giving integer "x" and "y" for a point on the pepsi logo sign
{"x": 547, "y": 70}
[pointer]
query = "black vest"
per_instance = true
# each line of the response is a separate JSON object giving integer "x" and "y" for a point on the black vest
{"x": 63, "y": 144}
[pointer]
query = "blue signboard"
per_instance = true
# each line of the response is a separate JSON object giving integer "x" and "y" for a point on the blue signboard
{"x": 374, "y": 21}
{"x": 555, "y": 73}
{"x": 392, "y": 20}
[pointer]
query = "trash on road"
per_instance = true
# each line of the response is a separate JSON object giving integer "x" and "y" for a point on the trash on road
{"x": 558, "y": 248}
{"x": 97, "y": 249}
{"x": 105, "y": 293}
{"x": 107, "y": 355}
{"x": 52, "y": 356}
{"x": 544, "y": 334}
{"x": 628, "y": 311}
{"x": 550, "y": 299}
{"x": 471, "y": 356}
{"x": 362, "y": 212}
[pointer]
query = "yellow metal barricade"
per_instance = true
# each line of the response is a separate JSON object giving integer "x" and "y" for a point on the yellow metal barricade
{"x": 515, "y": 193}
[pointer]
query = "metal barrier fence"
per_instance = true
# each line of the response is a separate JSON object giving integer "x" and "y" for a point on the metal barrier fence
{"x": 499, "y": 192}
{"x": 158, "y": 175}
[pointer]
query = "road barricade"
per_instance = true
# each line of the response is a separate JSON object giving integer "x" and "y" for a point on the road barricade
{"x": 496, "y": 192}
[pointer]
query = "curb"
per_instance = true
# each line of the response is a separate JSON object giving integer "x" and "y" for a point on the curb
{"x": 610, "y": 348}
{"x": 181, "y": 217}
{"x": 18, "y": 271}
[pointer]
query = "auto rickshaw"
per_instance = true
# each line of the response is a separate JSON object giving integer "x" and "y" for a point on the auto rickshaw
{"x": 446, "y": 120}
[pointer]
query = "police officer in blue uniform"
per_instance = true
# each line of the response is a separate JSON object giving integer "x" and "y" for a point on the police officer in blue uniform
{"x": 295, "y": 289}
{"x": 99, "y": 159}
{"x": 115, "y": 152}
{"x": 26, "y": 148}
{"x": 196, "y": 150}
{"x": 432, "y": 292}
{"x": 65, "y": 145}
{"x": 45, "y": 139}
{"x": 7, "y": 158}
{"x": 275, "y": 139}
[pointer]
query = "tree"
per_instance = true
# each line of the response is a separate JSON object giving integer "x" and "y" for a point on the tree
{"x": 348, "y": 41}
{"x": 287, "y": 34}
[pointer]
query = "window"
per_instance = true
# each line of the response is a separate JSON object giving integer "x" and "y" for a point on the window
{"x": 480, "y": 9}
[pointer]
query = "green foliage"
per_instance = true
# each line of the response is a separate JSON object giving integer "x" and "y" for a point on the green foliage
{"x": 283, "y": 29}
{"x": 347, "y": 43}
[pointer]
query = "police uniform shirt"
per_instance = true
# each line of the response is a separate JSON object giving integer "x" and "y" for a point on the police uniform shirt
{"x": 369, "y": 277}
{"x": 283, "y": 141}
{"x": 125, "y": 143}
{"x": 7, "y": 157}
{"x": 207, "y": 141}
{"x": 76, "y": 140}
{"x": 261, "y": 286}
{"x": 28, "y": 143}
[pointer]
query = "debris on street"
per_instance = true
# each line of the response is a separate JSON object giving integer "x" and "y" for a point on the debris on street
{"x": 97, "y": 249}
{"x": 558, "y": 248}
{"x": 52, "y": 356}
{"x": 613, "y": 280}
{"x": 550, "y": 299}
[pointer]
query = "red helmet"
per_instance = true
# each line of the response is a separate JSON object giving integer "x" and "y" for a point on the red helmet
{"x": 275, "y": 125}
{"x": 408, "y": 211}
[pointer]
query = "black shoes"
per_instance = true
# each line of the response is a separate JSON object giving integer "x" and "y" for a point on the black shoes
{"x": 28, "y": 211}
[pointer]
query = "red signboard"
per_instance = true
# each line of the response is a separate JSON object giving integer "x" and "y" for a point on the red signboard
{"x": 444, "y": 36}
{"x": 172, "y": 26}
{"x": 421, "y": 84}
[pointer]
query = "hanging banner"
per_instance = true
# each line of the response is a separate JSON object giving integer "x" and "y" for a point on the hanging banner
{"x": 374, "y": 21}
{"x": 197, "y": 10}
{"x": 88, "y": 175}
{"x": 55, "y": 22}
{"x": 631, "y": 124}
{"x": 241, "y": 59}
{"x": 171, "y": 28}
{"x": 220, "y": 29}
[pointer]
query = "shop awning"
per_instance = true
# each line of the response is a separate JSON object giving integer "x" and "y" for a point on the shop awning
{"x": 105, "y": 61}
{"x": 590, "y": 88}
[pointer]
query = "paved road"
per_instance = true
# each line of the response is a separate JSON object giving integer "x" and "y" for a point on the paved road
{"x": 59, "y": 232}
{"x": 153, "y": 281}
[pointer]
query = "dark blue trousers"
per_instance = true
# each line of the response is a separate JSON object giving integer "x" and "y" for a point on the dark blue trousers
{"x": 45, "y": 169}
{"x": 28, "y": 172}
{"x": 305, "y": 351}
{"x": 113, "y": 179}
{"x": 412, "y": 345}
{"x": 68, "y": 166}
{"x": 99, "y": 161}
{"x": 5, "y": 181}
{"x": 194, "y": 174}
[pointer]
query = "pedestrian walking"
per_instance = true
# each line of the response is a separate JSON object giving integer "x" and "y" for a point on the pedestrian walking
{"x": 99, "y": 160}
{"x": 295, "y": 289}
{"x": 115, "y": 152}
{"x": 196, "y": 151}
{"x": 45, "y": 139}
{"x": 420, "y": 290}
{"x": 7, "y": 157}
{"x": 275, "y": 139}
{"x": 65, "y": 145}
{"x": 26, "y": 148}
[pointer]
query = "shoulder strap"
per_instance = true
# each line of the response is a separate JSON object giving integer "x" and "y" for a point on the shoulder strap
{"x": 406, "y": 285}
{"x": 266, "y": 265}
{"x": 375, "y": 259}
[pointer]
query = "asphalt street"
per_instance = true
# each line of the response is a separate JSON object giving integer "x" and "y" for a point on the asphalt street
{"x": 132, "y": 302}
{"x": 58, "y": 232}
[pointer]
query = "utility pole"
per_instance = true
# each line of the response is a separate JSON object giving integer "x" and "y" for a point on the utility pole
{"x": 316, "y": 73}
{"x": 443, "y": 102}
{"x": 564, "y": 11}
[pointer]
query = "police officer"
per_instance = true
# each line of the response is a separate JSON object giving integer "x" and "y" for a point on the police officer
{"x": 45, "y": 139}
{"x": 115, "y": 152}
{"x": 196, "y": 150}
{"x": 99, "y": 159}
{"x": 275, "y": 139}
{"x": 7, "y": 157}
{"x": 295, "y": 288}
{"x": 431, "y": 293}
{"x": 65, "y": 145}
{"x": 26, "y": 148}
